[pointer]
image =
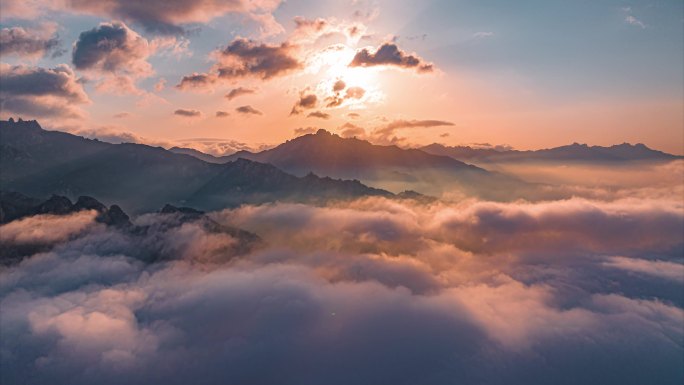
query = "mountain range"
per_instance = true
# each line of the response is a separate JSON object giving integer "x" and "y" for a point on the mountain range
{"x": 571, "y": 153}
{"x": 142, "y": 178}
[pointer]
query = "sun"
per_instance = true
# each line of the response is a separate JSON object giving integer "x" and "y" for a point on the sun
{"x": 332, "y": 65}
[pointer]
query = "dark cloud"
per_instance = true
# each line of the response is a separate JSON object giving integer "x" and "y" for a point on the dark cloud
{"x": 112, "y": 47}
{"x": 196, "y": 80}
{"x": 390, "y": 55}
{"x": 29, "y": 43}
{"x": 318, "y": 114}
{"x": 236, "y": 92}
{"x": 188, "y": 113}
{"x": 167, "y": 16}
{"x": 222, "y": 114}
{"x": 248, "y": 110}
{"x": 244, "y": 58}
{"x": 306, "y": 102}
{"x": 247, "y": 58}
{"x": 115, "y": 54}
{"x": 41, "y": 92}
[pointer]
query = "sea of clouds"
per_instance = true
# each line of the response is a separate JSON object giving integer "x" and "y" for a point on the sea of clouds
{"x": 374, "y": 291}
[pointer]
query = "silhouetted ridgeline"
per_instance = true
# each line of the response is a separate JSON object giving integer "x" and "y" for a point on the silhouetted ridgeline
{"x": 143, "y": 178}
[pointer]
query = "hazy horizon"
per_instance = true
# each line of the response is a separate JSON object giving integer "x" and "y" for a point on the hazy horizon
{"x": 530, "y": 75}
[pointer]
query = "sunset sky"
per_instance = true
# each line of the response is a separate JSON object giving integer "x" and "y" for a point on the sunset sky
{"x": 220, "y": 75}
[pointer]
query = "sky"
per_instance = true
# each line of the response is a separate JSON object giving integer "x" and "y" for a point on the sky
{"x": 224, "y": 75}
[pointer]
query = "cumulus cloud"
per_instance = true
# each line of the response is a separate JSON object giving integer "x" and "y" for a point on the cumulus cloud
{"x": 222, "y": 114}
{"x": 244, "y": 58}
{"x": 29, "y": 43}
{"x": 115, "y": 52}
{"x": 240, "y": 91}
{"x": 248, "y": 110}
{"x": 187, "y": 113}
{"x": 389, "y": 54}
{"x": 41, "y": 92}
{"x": 405, "y": 292}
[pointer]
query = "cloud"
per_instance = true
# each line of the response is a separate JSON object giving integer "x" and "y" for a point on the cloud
{"x": 394, "y": 286}
{"x": 116, "y": 134}
{"x": 350, "y": 130}
{"x": 309, "y": 31}
{"x": 240, "y": 91}
{"x": 354, "y": 93}
{"x": 387, "y": 134}
{"x": 389, "y": 54}
{"x": 196, "y": 81}
{"x": 244, "y": 58}
{"x": 318, "y": 114}
{"x": 46, "y": 229}
{"x": 483, "y": 35}
{"x": 248, "y": 110}
{"x": 29, "y": 43}
{"x": 339, "y": 85}
{"x": 664, "y": 269}
{"x": 631, "y": 20}
{"x": 188, "y": 113}
{"x": 218, "y": 147}
{"x": 306, "y": 101}
{"x": 158, "y": 16}
{"x": 305, "y": 130}
{"x": 41, "y": 92}
{"x": 115, "y": 52}
{"x": 222, "y": 114}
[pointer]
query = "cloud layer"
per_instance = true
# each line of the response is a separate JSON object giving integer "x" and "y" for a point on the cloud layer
{"x": 371, "y": 291}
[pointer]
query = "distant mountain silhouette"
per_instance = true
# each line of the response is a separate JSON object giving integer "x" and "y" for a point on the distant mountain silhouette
{"x": 201, "y": 155}
{"x": 15, "y": 206}
{"x": 575, "y": 153}
{"x": 390, "y": 167}
{"x": 329, "y": 154}
{"x": 143, "y": 178}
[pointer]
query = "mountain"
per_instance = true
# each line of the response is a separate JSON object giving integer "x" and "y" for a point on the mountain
{"x": 325, "y": 153}
{"x": 141, "y": 178}
{"x": 388, "y": 167}
{"x": 15, "y": 206}
{"x": 201, "y": 155}
{"x": 573, "y": 153}
{"x": 143, "y": 236}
